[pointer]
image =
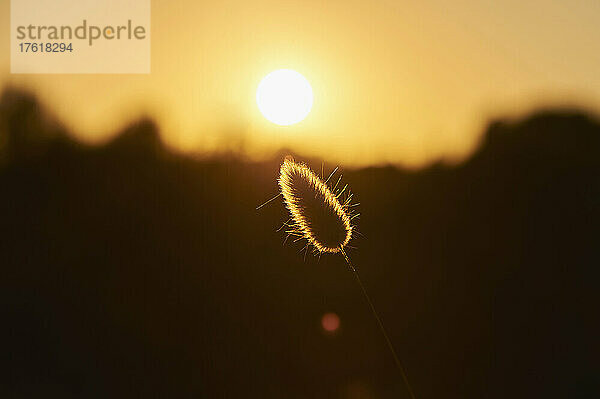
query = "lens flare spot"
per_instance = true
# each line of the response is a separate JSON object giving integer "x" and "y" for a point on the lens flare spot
{"x": 330, "y": 322}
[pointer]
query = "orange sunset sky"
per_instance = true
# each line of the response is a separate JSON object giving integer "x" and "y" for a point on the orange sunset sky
{"x": 407, "y": 82}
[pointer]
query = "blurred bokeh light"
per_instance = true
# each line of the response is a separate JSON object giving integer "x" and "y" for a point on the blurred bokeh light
{"x": 330, "y": 322}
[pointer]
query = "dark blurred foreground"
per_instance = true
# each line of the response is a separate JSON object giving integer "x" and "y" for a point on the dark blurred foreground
{"x": 128, "y": 271}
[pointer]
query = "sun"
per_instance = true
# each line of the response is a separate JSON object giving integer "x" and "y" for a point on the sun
{"x": 284, "y": 97}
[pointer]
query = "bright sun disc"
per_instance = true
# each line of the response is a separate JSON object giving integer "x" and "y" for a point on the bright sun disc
{"x": 284, "y": 97}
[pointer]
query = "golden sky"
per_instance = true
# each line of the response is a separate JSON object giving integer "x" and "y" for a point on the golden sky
{"x": 407, "y": 82}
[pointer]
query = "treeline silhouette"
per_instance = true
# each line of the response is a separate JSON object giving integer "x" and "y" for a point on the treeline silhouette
{"x": 130, "y": 271}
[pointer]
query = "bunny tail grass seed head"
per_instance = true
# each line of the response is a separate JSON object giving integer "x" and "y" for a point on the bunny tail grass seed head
{"x": 317, "y": 214}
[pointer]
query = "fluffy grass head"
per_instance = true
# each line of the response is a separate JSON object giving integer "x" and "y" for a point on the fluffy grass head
{"x": 316, "y": 212}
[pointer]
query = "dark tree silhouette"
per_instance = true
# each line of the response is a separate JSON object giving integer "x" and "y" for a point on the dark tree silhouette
{"x": 130, "y": 271}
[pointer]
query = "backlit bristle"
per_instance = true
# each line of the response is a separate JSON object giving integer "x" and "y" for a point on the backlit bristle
{"x": 316, "y": 212}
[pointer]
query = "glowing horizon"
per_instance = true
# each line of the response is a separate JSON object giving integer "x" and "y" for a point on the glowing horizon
{"x": 406, "y": 84}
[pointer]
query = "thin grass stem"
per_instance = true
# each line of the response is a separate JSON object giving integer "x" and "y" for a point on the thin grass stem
{"x": 381, "y": 327}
